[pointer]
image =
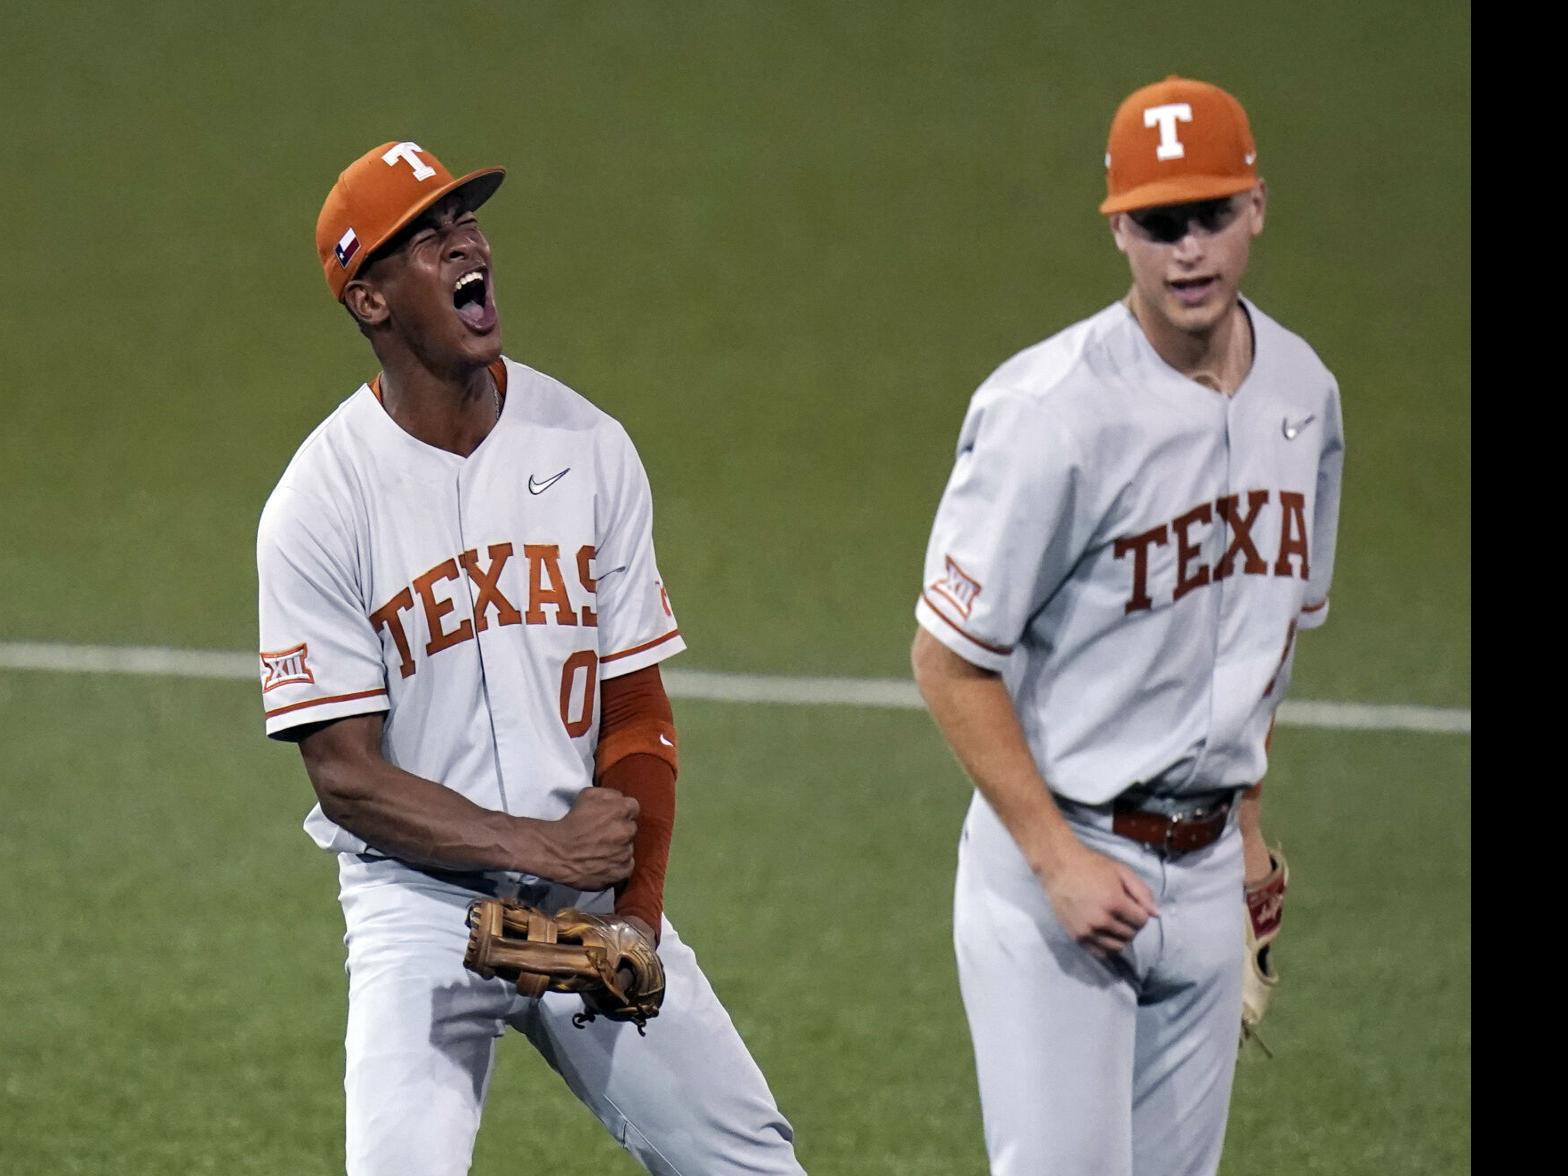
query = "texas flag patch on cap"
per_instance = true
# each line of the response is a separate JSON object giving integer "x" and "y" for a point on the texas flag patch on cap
{"x": 347, "y": 246}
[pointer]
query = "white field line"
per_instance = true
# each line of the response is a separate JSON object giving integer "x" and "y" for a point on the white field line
{"x": 891, "y": 693}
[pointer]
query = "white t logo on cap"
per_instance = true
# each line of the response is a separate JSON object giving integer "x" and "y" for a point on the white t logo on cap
{"x": 1167, "y": 116}
{"x": 408, "y": 153}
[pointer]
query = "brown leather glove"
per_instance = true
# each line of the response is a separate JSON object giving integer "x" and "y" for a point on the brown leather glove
{"x": 606, "y": 960}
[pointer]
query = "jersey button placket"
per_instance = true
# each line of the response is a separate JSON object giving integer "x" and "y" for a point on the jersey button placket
{"x": 1211, "y": 597}
{"x": 1232, "y": 591}
{"x": 481, "y": 633}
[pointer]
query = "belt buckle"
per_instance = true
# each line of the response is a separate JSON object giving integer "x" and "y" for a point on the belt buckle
{"x": 1173, "y": 822}
{"x": 1190, "y": 817}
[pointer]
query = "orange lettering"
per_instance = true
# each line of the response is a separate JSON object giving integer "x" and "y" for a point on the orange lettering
{"x": 584, "y": 554}
{"x": 1186, "y": 550}
{"x": 386, "y": 617}
{"x": 489, "y": 590}
{"x": 1139, "y": 546}
{"x": 1241, "y": 534}
{"x": 583, "y": 659}
{"x": 1292, "y": 533}
{"x": 436, "y": 609}
{"x": 544, "y": 561}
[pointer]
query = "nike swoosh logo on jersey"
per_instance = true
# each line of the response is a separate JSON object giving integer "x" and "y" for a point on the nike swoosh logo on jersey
{"x": 664, "y": 740}
{"x": 540, "y": 487}
{"x": 1293, "y": 430}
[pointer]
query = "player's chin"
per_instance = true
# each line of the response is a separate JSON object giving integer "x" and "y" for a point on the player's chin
{"x": 487, "y": 350}
{"x": 1203, "y": 313}
{"x": 480, "y": 345}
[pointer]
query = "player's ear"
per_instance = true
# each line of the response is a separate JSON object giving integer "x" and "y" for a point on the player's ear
{"x": 1118, "y": 223}
{"x": 365, "y": 303}
{"x": 1257, "y": 203}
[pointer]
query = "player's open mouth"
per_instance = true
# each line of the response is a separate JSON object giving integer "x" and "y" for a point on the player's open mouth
{"x": 1192, "y": 291}
{"x": 472, "y": 301}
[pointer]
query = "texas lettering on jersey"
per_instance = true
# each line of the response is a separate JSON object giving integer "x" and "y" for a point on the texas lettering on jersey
{"x": 1289, "y": 560}
{"x": 548, "y": 600}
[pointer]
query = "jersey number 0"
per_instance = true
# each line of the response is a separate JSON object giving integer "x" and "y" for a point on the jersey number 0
{"x": 588, "y": 661}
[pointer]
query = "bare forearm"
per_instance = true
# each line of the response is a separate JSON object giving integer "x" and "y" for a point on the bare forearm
{"x": 420, "y": 821}
{"x": 1256, "y": 861}
{"x": 408, "y": 817}
{"x": 975, "y": 714}
{"x": 1254, "y": 850}
{"x": 1100, "y": 902}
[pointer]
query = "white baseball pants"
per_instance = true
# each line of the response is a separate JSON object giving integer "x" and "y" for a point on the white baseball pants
{"x": 686, "y": 1100}
{"x": 1089, "y": 1068}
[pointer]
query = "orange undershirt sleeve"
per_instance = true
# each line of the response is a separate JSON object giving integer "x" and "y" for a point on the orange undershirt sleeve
{"x": 637, "y": 757}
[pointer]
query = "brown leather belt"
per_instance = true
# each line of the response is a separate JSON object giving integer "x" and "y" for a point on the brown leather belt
{"x": 1171, "y": 833}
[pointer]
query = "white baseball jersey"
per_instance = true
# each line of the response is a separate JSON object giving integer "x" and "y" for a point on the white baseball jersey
{"x": 478, "y": 601}
{"x": 1135, "y": 552}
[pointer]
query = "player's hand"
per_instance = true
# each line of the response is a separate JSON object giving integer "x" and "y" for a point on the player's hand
{"x": 592, "y": 844}
{"x": 1100, "y": 902}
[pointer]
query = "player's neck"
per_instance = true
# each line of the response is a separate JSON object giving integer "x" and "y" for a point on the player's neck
{"x": 1219, "y": 358}
{"x": 454, "y": 411}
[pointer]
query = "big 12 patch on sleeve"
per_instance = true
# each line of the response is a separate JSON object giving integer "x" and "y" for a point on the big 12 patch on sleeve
{"x": 958, "y": 587}
{"x": 286, "y": 667}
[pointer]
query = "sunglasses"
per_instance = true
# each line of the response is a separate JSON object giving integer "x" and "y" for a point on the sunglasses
{"x": 1168, "y": 223}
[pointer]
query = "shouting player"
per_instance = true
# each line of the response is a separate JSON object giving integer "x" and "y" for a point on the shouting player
{"x": 461, "y": 625}
{"x": 1140, "y": 518}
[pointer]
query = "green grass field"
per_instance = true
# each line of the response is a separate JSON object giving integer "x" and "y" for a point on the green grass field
{"x": 782, "y": 243}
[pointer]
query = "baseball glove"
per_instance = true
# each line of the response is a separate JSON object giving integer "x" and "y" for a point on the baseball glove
{"x": 1265, "y": 911}
{"x": 605, "y": 960}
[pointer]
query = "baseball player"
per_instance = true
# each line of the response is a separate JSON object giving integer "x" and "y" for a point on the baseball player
{"x": 461, "y": 626}
{"x": 1140, "y": 519}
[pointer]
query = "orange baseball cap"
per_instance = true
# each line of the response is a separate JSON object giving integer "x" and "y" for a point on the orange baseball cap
{"x": 377, "y": 195}
{"x": 1177, "y": 141}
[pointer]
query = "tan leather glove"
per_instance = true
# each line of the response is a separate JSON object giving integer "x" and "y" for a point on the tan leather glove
{"x": 607, "y": 961}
